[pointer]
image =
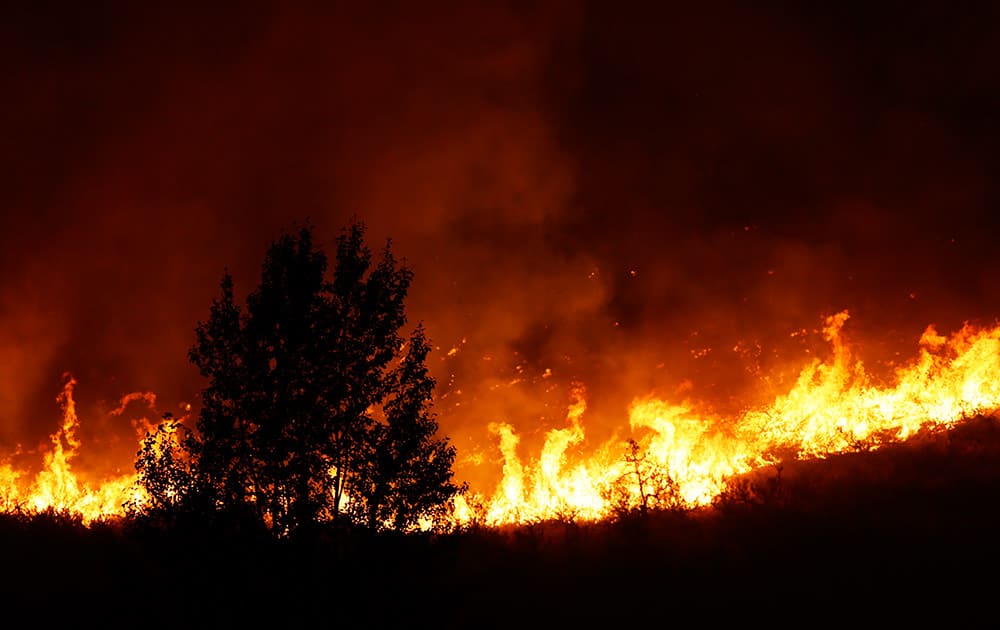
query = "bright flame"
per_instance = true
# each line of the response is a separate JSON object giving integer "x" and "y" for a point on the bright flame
{"x": 834, "y": 406}
{"x": 554, "y": 488}
{"x": 56, "y": 486}
{"x": 679, "y": 455}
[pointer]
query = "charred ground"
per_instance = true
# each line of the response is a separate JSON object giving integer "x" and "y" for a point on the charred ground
{"x": 900, "y": 532}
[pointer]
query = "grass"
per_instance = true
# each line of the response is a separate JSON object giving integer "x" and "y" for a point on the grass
{"x": 906, "y": 532}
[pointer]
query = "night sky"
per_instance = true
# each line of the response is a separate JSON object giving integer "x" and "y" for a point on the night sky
{"x": 641, "y": 198}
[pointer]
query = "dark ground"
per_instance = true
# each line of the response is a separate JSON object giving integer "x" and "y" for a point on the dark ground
{"x": 904, "y": 534}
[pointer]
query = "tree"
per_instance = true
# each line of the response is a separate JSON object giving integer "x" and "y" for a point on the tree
{"x": 643, "y": 486}
{"x": 221, "y": 448}
{"x": 406, "y": 475}
{"x": 314, "y": 408}
{"x": 164, "y": 470}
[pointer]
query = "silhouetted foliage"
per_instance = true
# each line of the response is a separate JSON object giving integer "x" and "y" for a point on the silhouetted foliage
{"x": 756, "y": 488}
{"x": 163, "y": 468}
{"x": 900, "y": 533}
{"x": 405, "y": 474}
{"x": 643, "y": 486}
{"x": 315, "y": 408}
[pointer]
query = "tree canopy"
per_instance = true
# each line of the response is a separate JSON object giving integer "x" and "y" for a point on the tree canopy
{"x": 317, "y": 408}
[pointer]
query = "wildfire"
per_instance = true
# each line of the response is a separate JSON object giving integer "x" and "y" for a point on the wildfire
{"x": 56, "y": 486}
{"x": 682, "y": 456}
{"x": 675, "y": 453}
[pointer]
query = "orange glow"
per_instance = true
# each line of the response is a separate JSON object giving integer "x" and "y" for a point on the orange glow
{"x": 671, "y": 453}
{"x": 834, "y": 406}
{"x": 57, "y": 486}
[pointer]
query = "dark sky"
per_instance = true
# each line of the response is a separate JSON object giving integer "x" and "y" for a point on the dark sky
{"x": 597, "y": 190}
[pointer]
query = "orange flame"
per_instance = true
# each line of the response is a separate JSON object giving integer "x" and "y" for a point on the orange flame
{"x": 56, "y": 486}
{"x": 679, "y": 455}
{"x": 834, "y": 406}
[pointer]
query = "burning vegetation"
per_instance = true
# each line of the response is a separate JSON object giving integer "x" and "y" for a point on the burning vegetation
{"x": 677, "y": 455}
{"x": 704, "y": 304}
{"x": 671, "y": 455}
{"x": 314, "y": 464}
{"x": 56, "y": 486}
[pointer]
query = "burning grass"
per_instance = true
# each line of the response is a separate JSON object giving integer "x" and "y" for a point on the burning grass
{"x": 676, "y": 455}
{"x": 899, "y": 532}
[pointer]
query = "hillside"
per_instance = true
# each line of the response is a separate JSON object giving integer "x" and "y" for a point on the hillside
{"x": 905, "y": 532}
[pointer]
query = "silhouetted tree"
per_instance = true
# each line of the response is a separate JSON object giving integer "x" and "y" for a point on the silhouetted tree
{"x": 222, "y": 448}
{"x": 406, "y": 475}
{"x": 312, "y": 404}
{"x": 164, "y": 470}
{"x": 643, "y": 486}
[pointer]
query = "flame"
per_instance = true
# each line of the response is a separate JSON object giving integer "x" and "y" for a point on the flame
{"x": 56, "y": 486}
{"x": 554, "y": 488}
{"x": 834, "y": 406}
{"x": 672, "y": 453}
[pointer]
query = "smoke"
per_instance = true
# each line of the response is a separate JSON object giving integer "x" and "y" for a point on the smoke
{"x": 638, "y": 200}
